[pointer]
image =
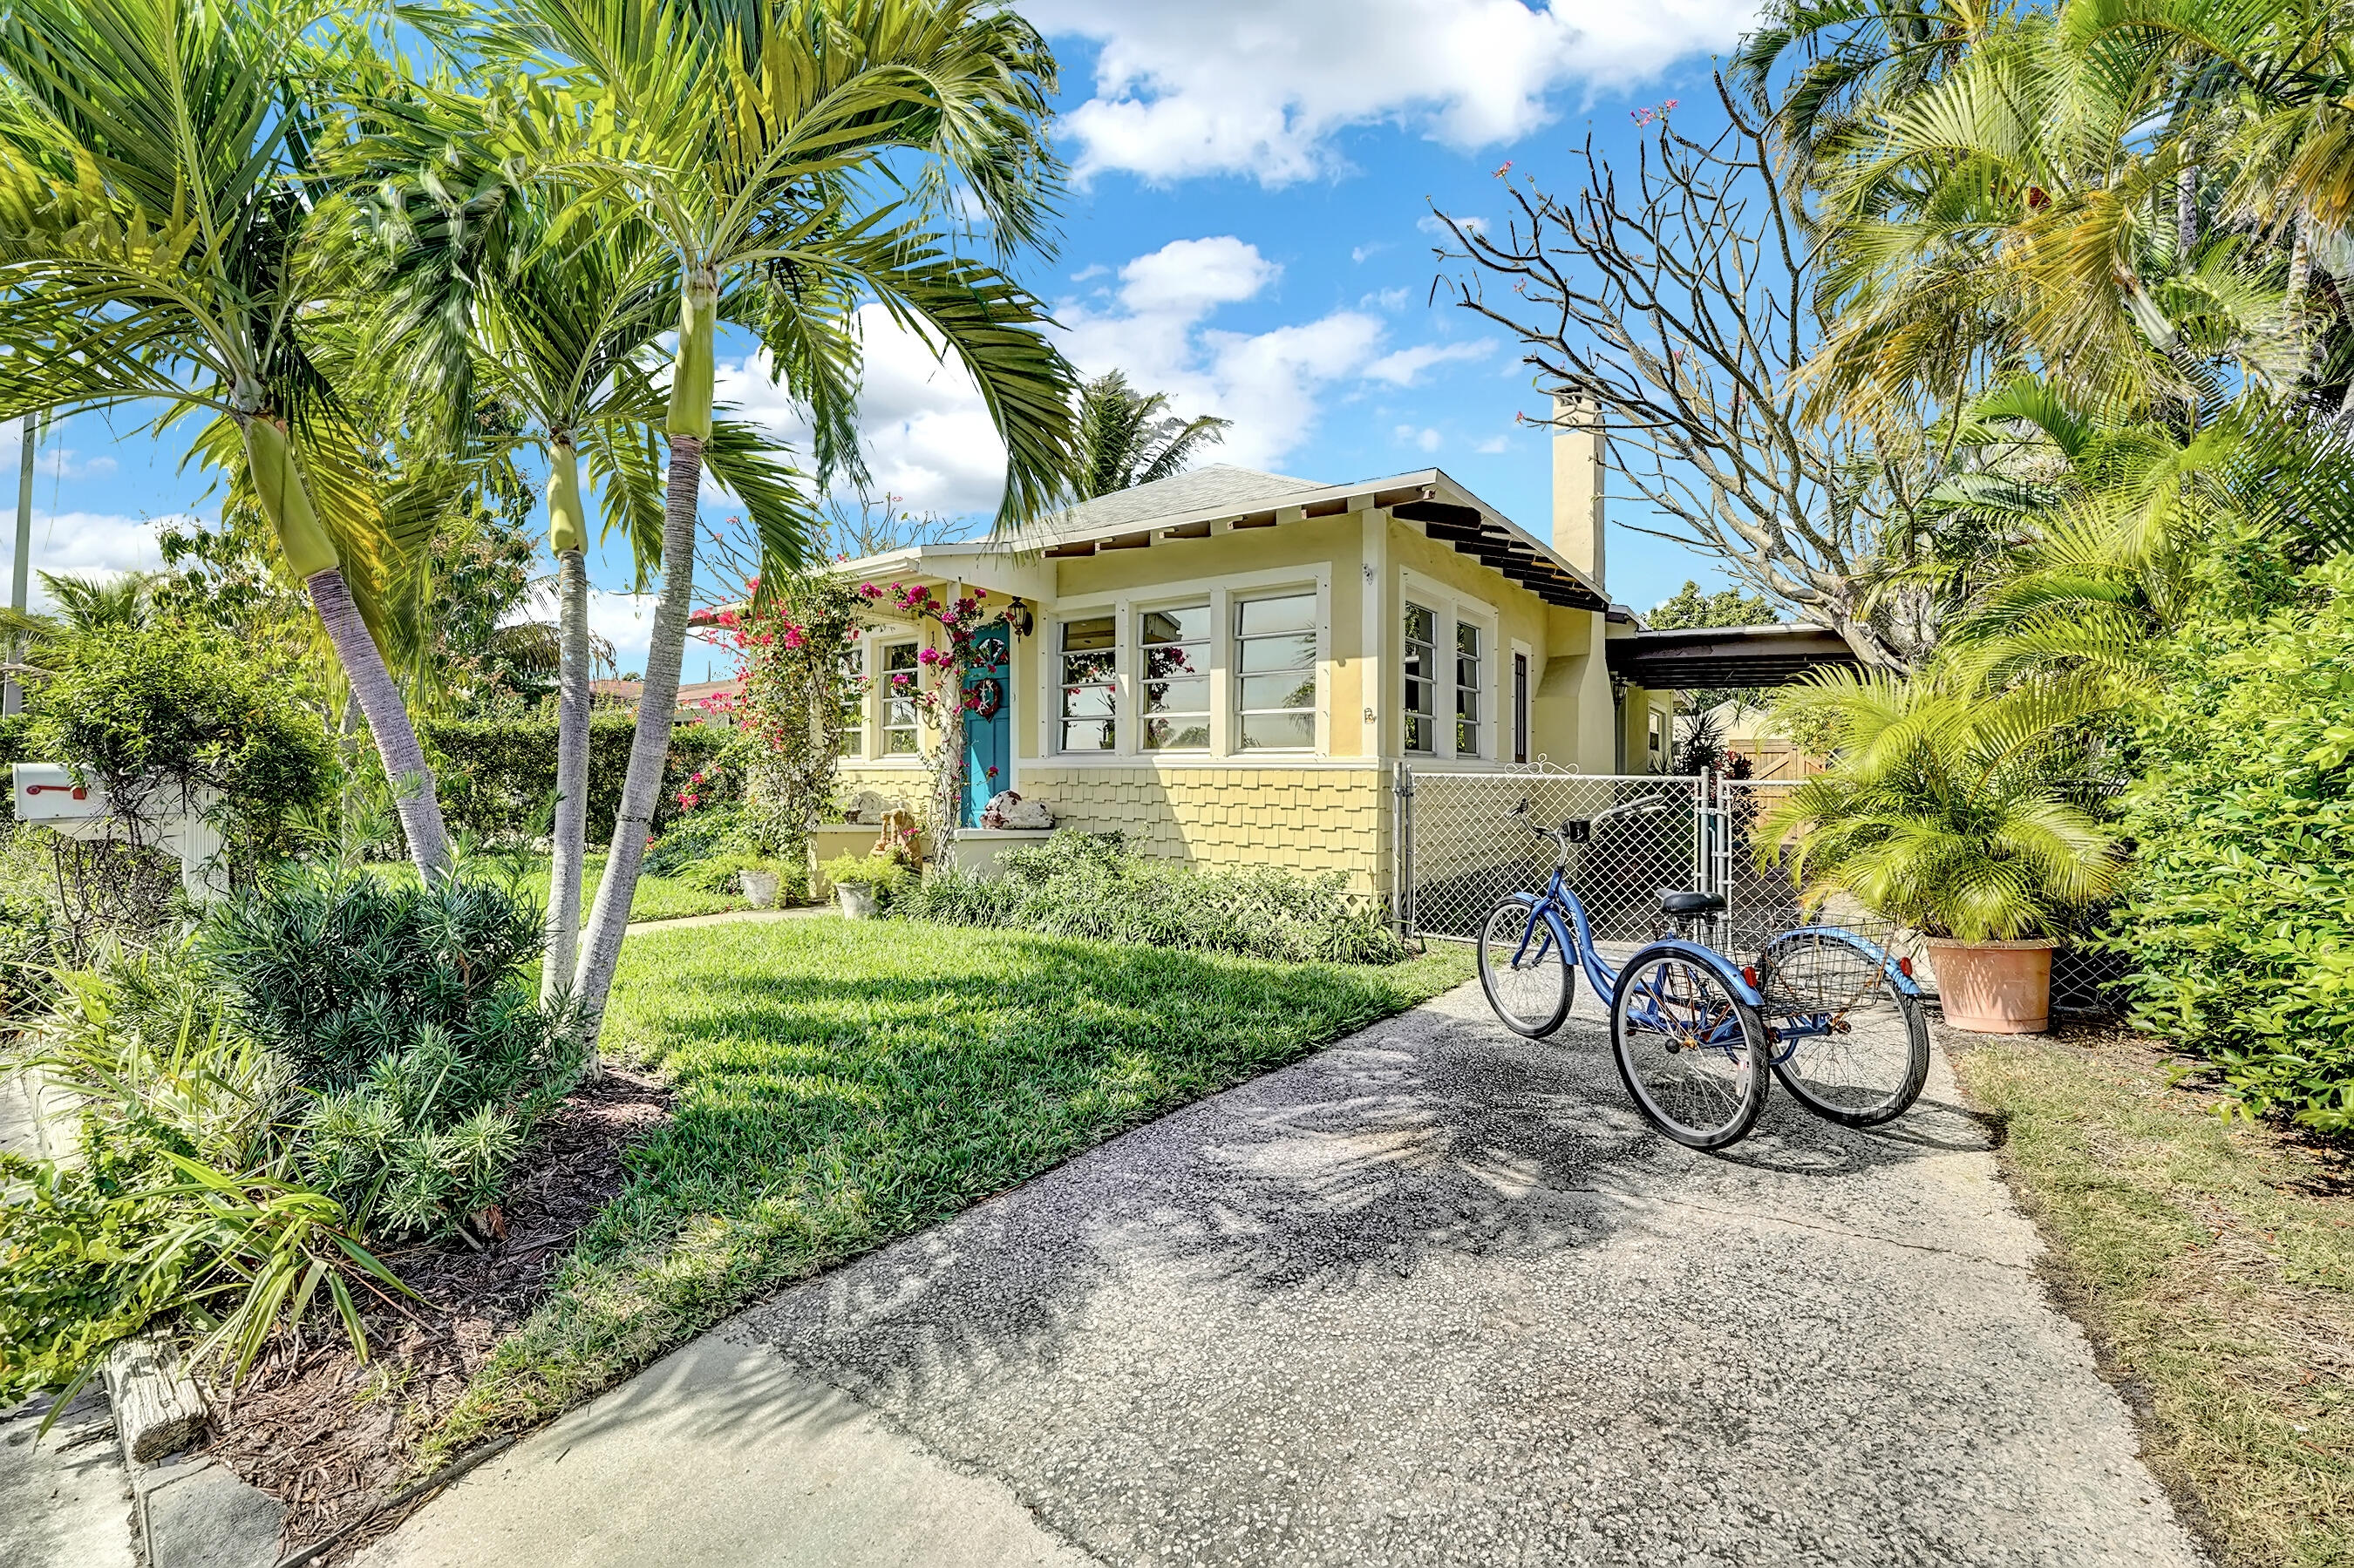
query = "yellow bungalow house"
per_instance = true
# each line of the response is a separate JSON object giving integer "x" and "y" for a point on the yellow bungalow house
{"x": 1229, "y": 666}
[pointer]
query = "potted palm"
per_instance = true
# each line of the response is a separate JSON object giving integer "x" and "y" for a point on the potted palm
{"x": 1949, "y": 809}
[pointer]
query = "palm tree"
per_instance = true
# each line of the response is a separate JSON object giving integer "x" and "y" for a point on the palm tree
{"x": 495, "y": 298}
{"x": 1128, "y": 438}
{"x": 746, "y": 134}
{"x": 158, "y": 159}
{"x": 2017, "y": 213}
{"x": 1946, "y": 807}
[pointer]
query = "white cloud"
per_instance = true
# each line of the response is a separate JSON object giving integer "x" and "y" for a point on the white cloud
{"x": 1387, "y": 300}
{"x": 1358, "y": 252}
{"x": 1200, "y": 87}
{"x": 1431, "y": 223}
{"x": 1273, "y": 385}
{"x": 1089, "y": 274}
{"x": 79, "y": 544}
{"x": 928, "y": 436}
{"x": 1493, "y": 445}
{"x": 1401, "y": 368}
{"x": 924, "y": 426}
{"x": 1407, "y": 435}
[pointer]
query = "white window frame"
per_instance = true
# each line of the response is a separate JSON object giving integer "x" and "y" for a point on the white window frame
{"x": 1320, "y": 631}
{"x": 1137, "y": 610}
{"x": 1122, "y": 729}
{"x": 1127, "y": 607}
{"x": 1449, "y": 607}
{"x": 857, "y": 735}
{"x": 882, "y": 725}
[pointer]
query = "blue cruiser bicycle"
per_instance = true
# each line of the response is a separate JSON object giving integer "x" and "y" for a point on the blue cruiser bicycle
{"x": 1695, "y": 1034}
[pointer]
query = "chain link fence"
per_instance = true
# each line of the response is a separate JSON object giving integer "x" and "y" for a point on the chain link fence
{"x": 1460, "y": 851}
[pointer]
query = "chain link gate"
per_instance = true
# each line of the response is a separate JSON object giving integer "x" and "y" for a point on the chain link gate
{"x": 1459, "y": 851}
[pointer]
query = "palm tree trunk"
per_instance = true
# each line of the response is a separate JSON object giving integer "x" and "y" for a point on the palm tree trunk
{"x": 600, "y": 951}
{"x": 2300, "y": 261}
{"x": 571, "y": 778}
{"x": 395, "y": 739}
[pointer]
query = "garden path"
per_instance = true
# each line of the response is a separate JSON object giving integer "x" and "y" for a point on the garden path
{"x": 1434, "y": 1295}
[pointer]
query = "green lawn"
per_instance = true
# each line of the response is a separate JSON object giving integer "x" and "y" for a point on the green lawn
{"x": 657, "y": 897}
{"x": 2214, "y": 1262}
{"x": 841, "y": 1084}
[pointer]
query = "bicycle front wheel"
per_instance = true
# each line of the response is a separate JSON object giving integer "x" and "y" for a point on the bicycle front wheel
{"x": 1691, "y": 1054}
{"x": 1523, "y": 970}
{"x": 1849, "y": 1042}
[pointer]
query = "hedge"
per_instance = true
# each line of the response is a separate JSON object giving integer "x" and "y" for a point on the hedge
{"x": 497, "y": 776}
{"x": 2240, "y": 919}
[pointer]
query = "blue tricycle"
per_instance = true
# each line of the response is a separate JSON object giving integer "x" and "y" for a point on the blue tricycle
{"x": 1831, "y": 1014}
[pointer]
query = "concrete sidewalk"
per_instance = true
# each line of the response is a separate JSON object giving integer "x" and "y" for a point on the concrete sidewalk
{"x": 1436, "y": 1295}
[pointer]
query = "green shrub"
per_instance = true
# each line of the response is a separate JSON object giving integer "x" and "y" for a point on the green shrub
{"x": 2239, "y": 918}
{"x": 28, "y": 954}
{"x": 144, "y": 713}
{"x": 182, "y": 1200}
{"x": 1086, "y": 885}
{"x": 411, "y": 1014}
{"x": 695, "y": 836}
{"x": 886, "y": 874}
{"x": 497, "y": 775}
{"x": 724, "y": 873}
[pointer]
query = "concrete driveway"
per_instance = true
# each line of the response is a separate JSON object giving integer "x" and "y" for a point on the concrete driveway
{"x": 1436, "y": 1295}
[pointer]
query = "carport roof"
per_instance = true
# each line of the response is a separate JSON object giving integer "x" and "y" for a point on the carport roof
{"x": 1689, "y": 657}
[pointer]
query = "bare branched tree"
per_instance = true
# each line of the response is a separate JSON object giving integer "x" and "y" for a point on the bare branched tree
{"x": 1676, "y": 307}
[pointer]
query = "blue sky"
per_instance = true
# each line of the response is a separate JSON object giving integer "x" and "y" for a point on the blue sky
{"x": 1247, "y": 229}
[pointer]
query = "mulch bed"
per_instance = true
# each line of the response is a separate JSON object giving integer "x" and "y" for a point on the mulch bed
{"x": 324, "y": 1433}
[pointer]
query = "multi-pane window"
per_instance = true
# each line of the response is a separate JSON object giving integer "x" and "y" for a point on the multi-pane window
{"x": 1090, "y": 683}
{"x": 899, "y": 677}
{"x": 1466, "y": 689}
{"x": 850, "y": 699}
{"x": 1275, "y": 672}
{"x": 1176, "y": 646}
{"x": 1421, "y": 681}
{"x": 1658, "y": 743}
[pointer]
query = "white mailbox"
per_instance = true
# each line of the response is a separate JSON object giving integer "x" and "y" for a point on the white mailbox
{"x": 45, "y": 792}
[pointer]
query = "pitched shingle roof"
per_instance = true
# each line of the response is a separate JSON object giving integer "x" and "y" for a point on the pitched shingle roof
{"x": 1219, "y": 486}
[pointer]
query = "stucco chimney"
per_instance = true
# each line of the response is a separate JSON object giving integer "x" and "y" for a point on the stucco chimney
{"x": 1577, "y": 485}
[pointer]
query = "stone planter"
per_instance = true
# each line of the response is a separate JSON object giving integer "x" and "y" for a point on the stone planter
{"x": 855, "y": 903}
{"x": 760, "y": 888}
{"x": 1994, "y": 987}
{"x": 978, "y": 850}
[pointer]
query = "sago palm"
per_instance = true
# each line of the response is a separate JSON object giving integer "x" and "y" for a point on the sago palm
{"x": 1946, "y": 807}
{"x": 754, "y": 136}
{"x": 158, "y": 160}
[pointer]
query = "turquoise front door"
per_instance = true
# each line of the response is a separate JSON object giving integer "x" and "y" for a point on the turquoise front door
{"x": 988, "y": 727}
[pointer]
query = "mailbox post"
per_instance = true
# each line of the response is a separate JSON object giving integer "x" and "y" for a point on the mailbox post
{"x": 45, "y": 792}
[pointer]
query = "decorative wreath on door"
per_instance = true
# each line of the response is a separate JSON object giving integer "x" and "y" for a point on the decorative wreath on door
{"x": 988, "y": 696}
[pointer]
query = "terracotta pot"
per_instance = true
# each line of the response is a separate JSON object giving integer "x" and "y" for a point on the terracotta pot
{"x": 857, "y": 903}
{"x": 759, "y": 888}
{"x": 1994, "y": 987}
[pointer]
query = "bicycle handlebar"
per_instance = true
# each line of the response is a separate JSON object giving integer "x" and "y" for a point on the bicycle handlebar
{"x": 1569, "y": 831}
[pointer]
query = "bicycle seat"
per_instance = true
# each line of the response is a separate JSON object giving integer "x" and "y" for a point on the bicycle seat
{"x": 1688, "y": 904}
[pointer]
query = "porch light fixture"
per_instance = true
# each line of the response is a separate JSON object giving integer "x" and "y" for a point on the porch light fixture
{"x": 1018, "y": 616}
